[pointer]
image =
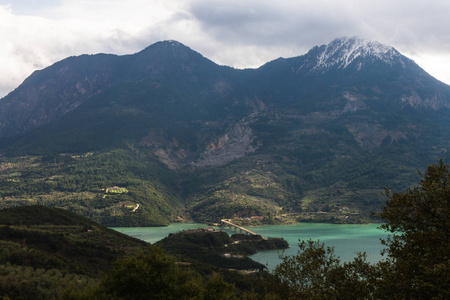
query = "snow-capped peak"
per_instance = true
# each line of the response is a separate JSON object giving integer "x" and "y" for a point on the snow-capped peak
{"x": 342, "y": 52}
{"x": 173, "y": 43}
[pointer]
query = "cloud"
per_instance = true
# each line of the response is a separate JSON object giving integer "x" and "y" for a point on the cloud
{"x": 21, "y": 49}
{"x": 267, "y": 22}
{"x": 248, "y": 33}
{"x": 73, "y": 27}
{"x": 418, "y": 29}
{"x": 263, "y": 22}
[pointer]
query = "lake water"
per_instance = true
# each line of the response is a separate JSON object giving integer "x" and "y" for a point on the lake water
{"x": 347, "y": 239}
{"x": 154, "y": 234}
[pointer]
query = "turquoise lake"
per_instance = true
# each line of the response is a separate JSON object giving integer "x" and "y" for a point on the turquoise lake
{"x": 346, "y": 239}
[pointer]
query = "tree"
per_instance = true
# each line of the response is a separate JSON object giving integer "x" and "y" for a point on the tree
{"x": 217, "y": 288}
{"x": 418, "y": 252}
{"x": 316, "y": 273}
{"x": 152, "y": 275}
{"x": 419, "y": 249}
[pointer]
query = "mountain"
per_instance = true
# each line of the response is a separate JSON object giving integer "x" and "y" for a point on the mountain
{"x": 48, "y": 94}
{"x": 315, "y": 133}
{"x": 359, "y": 66}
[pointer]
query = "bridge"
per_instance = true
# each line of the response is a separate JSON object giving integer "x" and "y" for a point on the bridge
{"x": 228, "y": 223}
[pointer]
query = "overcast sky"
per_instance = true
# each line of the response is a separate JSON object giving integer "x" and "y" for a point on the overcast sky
{"x": 243, "y": 33}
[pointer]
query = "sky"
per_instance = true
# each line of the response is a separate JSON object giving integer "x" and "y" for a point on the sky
{"x": 243, "y": 34}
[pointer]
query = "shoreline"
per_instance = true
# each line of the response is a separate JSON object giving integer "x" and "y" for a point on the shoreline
{"x": 253, "y": 224}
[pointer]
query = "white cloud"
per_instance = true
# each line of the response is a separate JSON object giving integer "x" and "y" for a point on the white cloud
{"x": 21, "y": 50}
{"x": 73, "y": 28}
{"x": 436, "y": 65}
{"x": 262, "y": 30}
{"x": 35, "y": 34}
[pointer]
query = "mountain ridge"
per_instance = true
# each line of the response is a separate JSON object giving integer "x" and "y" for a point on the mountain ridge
{"x": 352, "y": 49}
{"x": 175, "y": 58}
{"x": 285, "y": 137}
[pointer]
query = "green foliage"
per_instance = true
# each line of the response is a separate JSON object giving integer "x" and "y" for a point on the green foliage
{"x": 19, "y": 282}
{"x": 419, "y": 248}
{"x": 210, "y": 247}
{"x": 78, "y": 184}
{"x": 41, "y": 215}
{"x": 417, "y": 264}
{"x": 44, "y": 260}
{"x": 217, "y": 288}
{"x": 250, "y": 244}
{"x": 152, "y": 274}
{"x": 316, "y": 273}
{"x": 253, "y": 192}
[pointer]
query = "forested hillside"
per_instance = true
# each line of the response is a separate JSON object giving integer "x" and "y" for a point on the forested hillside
{"x": 116, "y": 188}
